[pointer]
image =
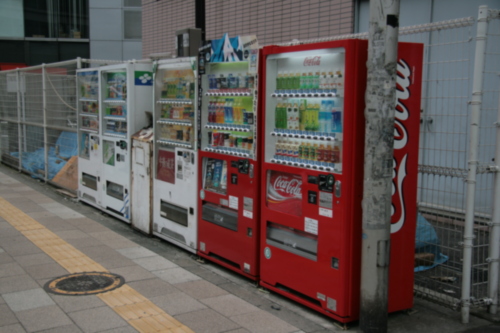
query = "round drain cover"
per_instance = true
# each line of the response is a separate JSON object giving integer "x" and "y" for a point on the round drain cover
{"x": 88, "y": 283}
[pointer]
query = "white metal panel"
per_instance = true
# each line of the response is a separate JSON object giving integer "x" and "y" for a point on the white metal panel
{"x": 141, "y": 186}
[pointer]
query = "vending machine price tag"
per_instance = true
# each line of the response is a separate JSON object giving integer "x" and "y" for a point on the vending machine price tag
{"x": 247, "y": 214}
{"x": 325, "y": 212}
{"x": 325, "y": 200}
{"x": 233, "y": 202}
{"x": 311, "y": 225}
{"x": 248, "y": 204}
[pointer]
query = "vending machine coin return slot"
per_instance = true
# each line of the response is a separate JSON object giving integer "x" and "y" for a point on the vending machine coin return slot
{"x": 174, "y": 213}
{"x": 114, "y": 190}
{"x": 292, "y": 240}
{"x": 89, "y": 181}
{"x": 220, "y": 216}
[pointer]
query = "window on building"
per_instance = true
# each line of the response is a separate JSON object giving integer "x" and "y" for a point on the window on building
{"x": 56, "y": 18}
{"x": 132, "y": 19}
{"x": 11, "y": 18}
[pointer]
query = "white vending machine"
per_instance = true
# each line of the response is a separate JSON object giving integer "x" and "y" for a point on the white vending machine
{"x": 175, "y": 145}
{"x": 126, "y": 98}
{"x": 89, "y": 142}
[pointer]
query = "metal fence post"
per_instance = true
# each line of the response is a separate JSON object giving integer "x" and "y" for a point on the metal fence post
{"x": 494, "y": 249}
{"x": 45, "y": 134}
{"x": 19, "y": 127}
{"x": 475, "y": 116}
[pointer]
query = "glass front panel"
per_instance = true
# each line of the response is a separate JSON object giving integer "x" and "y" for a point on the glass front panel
{"x": 215, "y": 175}
{"x": 304, "y": 109}
{"x": 229, "y": 109}
{"x": 88, "y": 109}
{"x": 175, "y": 106}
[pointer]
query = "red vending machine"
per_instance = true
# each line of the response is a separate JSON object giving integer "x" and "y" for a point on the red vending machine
{"x": 228, "y": 223}
{"x": 312, "y": 172}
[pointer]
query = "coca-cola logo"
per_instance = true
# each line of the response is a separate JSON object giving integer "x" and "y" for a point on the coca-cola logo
{"x": 291, "y": 187}
{"x": 401, "y": 139}
{"x": 312, "y": 61}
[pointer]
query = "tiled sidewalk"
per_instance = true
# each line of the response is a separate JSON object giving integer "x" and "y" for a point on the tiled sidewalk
{"x": 25, "y": 268}
{"x": 202, "y": 297}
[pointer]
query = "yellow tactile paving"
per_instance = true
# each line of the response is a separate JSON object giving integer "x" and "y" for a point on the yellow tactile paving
{"x": 137, "y": 310}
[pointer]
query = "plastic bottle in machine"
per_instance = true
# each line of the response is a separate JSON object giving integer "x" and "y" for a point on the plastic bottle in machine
{"x": 303, "y": 81}
{"x": 296, "y": 82}
{"x": 323, "y": 81}
{"x": 277, "y": 116}
{"x": 315, "y": 85}
{"x": 289, "y": 116}
{"x": 295, "y": 110}
{"x": 302, "y": 114}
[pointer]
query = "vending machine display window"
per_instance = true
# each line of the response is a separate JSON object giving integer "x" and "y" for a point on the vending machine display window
{"x": 85, "y": 145}
{"x": 229, "y": 124}
{"x": 304, "y": 109}
{"x": 108, "y": 152}
{"x": 215, "y": 175}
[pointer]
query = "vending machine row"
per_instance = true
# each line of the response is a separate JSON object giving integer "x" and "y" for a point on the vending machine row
{"x": 258, "y": 161}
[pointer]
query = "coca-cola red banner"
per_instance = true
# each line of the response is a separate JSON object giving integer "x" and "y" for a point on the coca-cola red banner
{"x": 406, "y": 133}
{"x": 284, "y": 192}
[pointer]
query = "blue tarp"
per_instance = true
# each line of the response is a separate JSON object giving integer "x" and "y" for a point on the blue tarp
{"x": 427, "y": 241}
{"x": 34, "y": 162}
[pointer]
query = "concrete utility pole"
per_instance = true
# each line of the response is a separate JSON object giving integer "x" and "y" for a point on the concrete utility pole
{"x": 379, "y": 145}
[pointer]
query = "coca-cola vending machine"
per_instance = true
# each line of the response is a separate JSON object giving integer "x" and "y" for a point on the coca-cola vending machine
{"x": 312, "y": 167}
{"x": 228, "y": 223}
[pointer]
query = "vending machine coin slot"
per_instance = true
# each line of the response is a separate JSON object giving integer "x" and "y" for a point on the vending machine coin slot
{"x": 312, "y": 197}
{"x": 338, "y": 188}
{"x": 335, "y": 263}
{"x": 326, "y": 183}
{"x": 243, "y": 166}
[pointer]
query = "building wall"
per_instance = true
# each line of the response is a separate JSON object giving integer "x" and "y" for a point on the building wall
{"x": 273, "y": 21}
{"x": 160, "y": 21}
{"x": 107, "y": 39}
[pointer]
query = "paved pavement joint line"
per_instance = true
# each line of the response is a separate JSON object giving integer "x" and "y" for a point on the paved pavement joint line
{"x": 137, "y": 310}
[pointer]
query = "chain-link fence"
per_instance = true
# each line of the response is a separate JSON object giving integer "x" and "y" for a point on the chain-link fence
{"x": 38, "y": 122}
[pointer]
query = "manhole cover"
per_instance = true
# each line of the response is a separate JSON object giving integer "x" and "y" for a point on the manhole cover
{"x": 79, "y": 284}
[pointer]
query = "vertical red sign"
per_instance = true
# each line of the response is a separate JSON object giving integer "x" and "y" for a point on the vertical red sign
{"x": 165, "y": 169}
{"x": 405, "y": 173}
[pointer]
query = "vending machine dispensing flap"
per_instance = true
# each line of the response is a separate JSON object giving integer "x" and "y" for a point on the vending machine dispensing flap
{"x": 174, "y": 213}
{"x": 292, "y": 240}
{"x": 221, "y": 216}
